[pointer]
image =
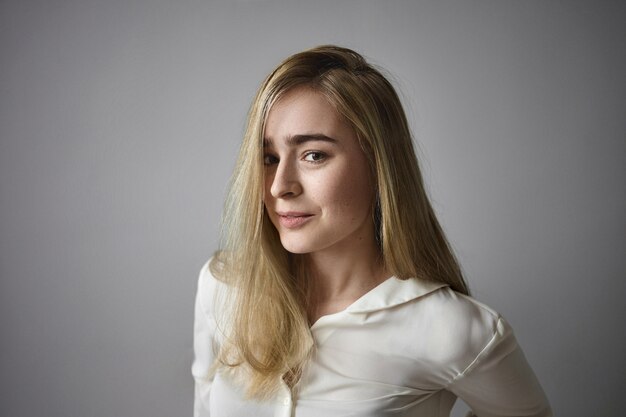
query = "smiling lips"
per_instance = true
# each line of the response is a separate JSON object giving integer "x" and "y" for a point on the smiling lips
{"x": 293, "y": 219}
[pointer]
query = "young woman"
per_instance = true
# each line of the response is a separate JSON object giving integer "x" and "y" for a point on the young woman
{"x": 336, "y": 292}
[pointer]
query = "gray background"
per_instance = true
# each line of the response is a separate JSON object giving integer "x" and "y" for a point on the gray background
{"x": 120, "y": 121}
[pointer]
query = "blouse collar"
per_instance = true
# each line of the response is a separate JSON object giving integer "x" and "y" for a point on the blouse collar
{"x": 392, "y": 292}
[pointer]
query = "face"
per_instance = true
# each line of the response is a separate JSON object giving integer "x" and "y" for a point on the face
{"x": 318, "y": 186}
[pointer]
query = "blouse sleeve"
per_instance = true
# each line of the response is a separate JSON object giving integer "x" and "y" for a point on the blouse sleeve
{"x": 499, "y": 381}
{"x": 203, "y": 345}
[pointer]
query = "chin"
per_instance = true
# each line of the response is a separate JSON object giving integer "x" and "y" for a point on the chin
{"x": 297, "y": 246}
{"x": 297, "y": 249}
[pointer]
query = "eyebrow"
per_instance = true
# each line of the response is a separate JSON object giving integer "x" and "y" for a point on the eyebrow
{"x": 300, "y": 139}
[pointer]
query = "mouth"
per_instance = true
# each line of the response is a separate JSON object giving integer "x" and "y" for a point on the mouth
{"x": 292, "y": 219}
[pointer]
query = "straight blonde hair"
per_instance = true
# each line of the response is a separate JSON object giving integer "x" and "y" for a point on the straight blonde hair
{"x": 268, "y": 333}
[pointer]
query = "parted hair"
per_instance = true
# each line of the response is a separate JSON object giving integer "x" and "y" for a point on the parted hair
{"x": 268, "y": 336}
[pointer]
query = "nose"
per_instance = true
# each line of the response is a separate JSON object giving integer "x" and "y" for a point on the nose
{"x": 285, "y": 182}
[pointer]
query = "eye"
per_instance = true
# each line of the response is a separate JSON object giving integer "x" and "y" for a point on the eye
{"x": 314, "y": 156}
{"x": 269, "y": 159}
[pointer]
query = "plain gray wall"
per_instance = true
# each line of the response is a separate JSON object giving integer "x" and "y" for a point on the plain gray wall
{"x": 120, "y": 122}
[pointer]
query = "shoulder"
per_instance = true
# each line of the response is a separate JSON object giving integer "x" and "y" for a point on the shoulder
{"x": 455, "y": 328}
{"x": 210, "y": 288}
{"x": 452, "y": 310}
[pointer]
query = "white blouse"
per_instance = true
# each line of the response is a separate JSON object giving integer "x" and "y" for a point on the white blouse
{"x": 407, "y": 348}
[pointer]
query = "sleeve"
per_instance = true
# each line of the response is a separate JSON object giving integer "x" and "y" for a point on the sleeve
{"x": 499, "y": 381}
{"x": 203, "y": 345}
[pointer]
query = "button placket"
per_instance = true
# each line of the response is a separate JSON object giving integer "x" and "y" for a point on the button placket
{"x": 284, "y": 407}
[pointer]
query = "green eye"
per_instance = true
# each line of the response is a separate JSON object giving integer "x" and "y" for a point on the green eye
{"x": 314, "y": 156}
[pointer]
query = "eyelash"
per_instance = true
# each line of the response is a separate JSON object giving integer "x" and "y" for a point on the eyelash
{"x": 322, "y": 156}
{"x": 270, "y": 159}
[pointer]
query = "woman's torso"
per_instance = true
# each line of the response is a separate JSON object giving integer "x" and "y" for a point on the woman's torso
{"x": 391, "y": 353}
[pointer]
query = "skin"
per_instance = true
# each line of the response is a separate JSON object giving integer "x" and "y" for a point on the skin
{"x": 319, "y": 192}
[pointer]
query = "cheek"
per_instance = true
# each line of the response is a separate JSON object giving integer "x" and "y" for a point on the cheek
{"x": 267, "y": 186}
{"x": 350, "y": 197}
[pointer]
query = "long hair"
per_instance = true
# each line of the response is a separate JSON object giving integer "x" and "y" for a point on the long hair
{"x": 268, "y": 333}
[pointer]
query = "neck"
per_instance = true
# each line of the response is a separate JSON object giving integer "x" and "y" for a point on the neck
{"x": 339, "y": 277}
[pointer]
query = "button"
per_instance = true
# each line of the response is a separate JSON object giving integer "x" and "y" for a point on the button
{"x": 286, "y": 401}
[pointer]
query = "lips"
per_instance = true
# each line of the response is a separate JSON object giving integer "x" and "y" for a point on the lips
{"x": 293, "y": 219}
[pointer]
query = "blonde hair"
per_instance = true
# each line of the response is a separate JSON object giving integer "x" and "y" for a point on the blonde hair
{"x": 269, "y": 333}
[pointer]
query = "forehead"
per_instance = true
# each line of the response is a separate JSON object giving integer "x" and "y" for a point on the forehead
{"x": 304, "y": 111}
